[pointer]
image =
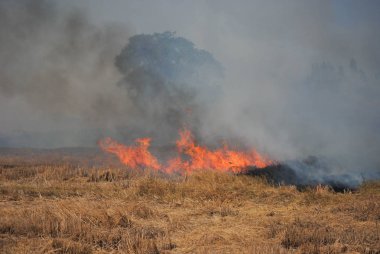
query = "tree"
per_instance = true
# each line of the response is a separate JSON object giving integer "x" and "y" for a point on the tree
{"x": 167, "y": 77}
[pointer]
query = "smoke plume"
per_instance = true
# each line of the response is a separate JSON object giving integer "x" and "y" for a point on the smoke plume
{"x": 57, "y": 77}
{"x": 299, "y": 78}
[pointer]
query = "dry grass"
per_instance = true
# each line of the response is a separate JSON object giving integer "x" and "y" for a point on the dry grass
{"x": 62, "y": 208}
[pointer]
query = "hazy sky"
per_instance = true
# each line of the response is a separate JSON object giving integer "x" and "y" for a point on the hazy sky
{"x": 301, "y": 77}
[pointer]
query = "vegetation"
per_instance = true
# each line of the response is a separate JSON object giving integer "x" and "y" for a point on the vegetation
{"x": 64, "y": 208}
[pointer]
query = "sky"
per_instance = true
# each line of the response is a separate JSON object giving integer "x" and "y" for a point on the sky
{"x": 301, "y": 77}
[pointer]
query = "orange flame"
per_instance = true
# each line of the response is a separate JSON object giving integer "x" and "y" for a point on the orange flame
{"x": 133, "y": 156}
{"x": 191, "y": 157}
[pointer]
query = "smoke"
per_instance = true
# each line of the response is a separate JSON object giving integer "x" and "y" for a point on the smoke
{"x": 57, "y": 75}
{"x": 300, "y": 78}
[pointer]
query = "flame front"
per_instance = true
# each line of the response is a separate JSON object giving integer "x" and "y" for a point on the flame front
{"x": 133, "y": 156}
{"x": 191, "y": 157}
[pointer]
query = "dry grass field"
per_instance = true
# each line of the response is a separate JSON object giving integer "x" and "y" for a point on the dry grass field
{"x": 58, "y": 207}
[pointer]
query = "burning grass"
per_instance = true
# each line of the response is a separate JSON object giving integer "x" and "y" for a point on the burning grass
{"x": 190, "y": 157}
{"x": 69, "y": 209}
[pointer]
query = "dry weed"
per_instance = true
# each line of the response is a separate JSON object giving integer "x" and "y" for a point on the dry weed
{"x": 62, "y": 208}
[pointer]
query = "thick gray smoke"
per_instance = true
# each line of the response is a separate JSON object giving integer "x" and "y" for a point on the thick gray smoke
{"x": 300, "y": 78}
{"x": 57, "y": 77}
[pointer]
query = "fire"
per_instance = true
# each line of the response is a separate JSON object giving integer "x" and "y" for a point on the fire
{"x": 191, "y": 157}
{"x": 133, "y": 156}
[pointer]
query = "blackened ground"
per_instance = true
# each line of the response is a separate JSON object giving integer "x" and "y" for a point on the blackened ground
{"x": 283, "y": 174}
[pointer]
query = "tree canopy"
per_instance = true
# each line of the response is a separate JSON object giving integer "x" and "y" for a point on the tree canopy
{"x": 168, "y": 57}
{"x": 167, "y": 78}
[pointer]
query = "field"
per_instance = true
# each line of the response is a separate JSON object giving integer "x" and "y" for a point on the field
{"x": 57, "y": 203}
